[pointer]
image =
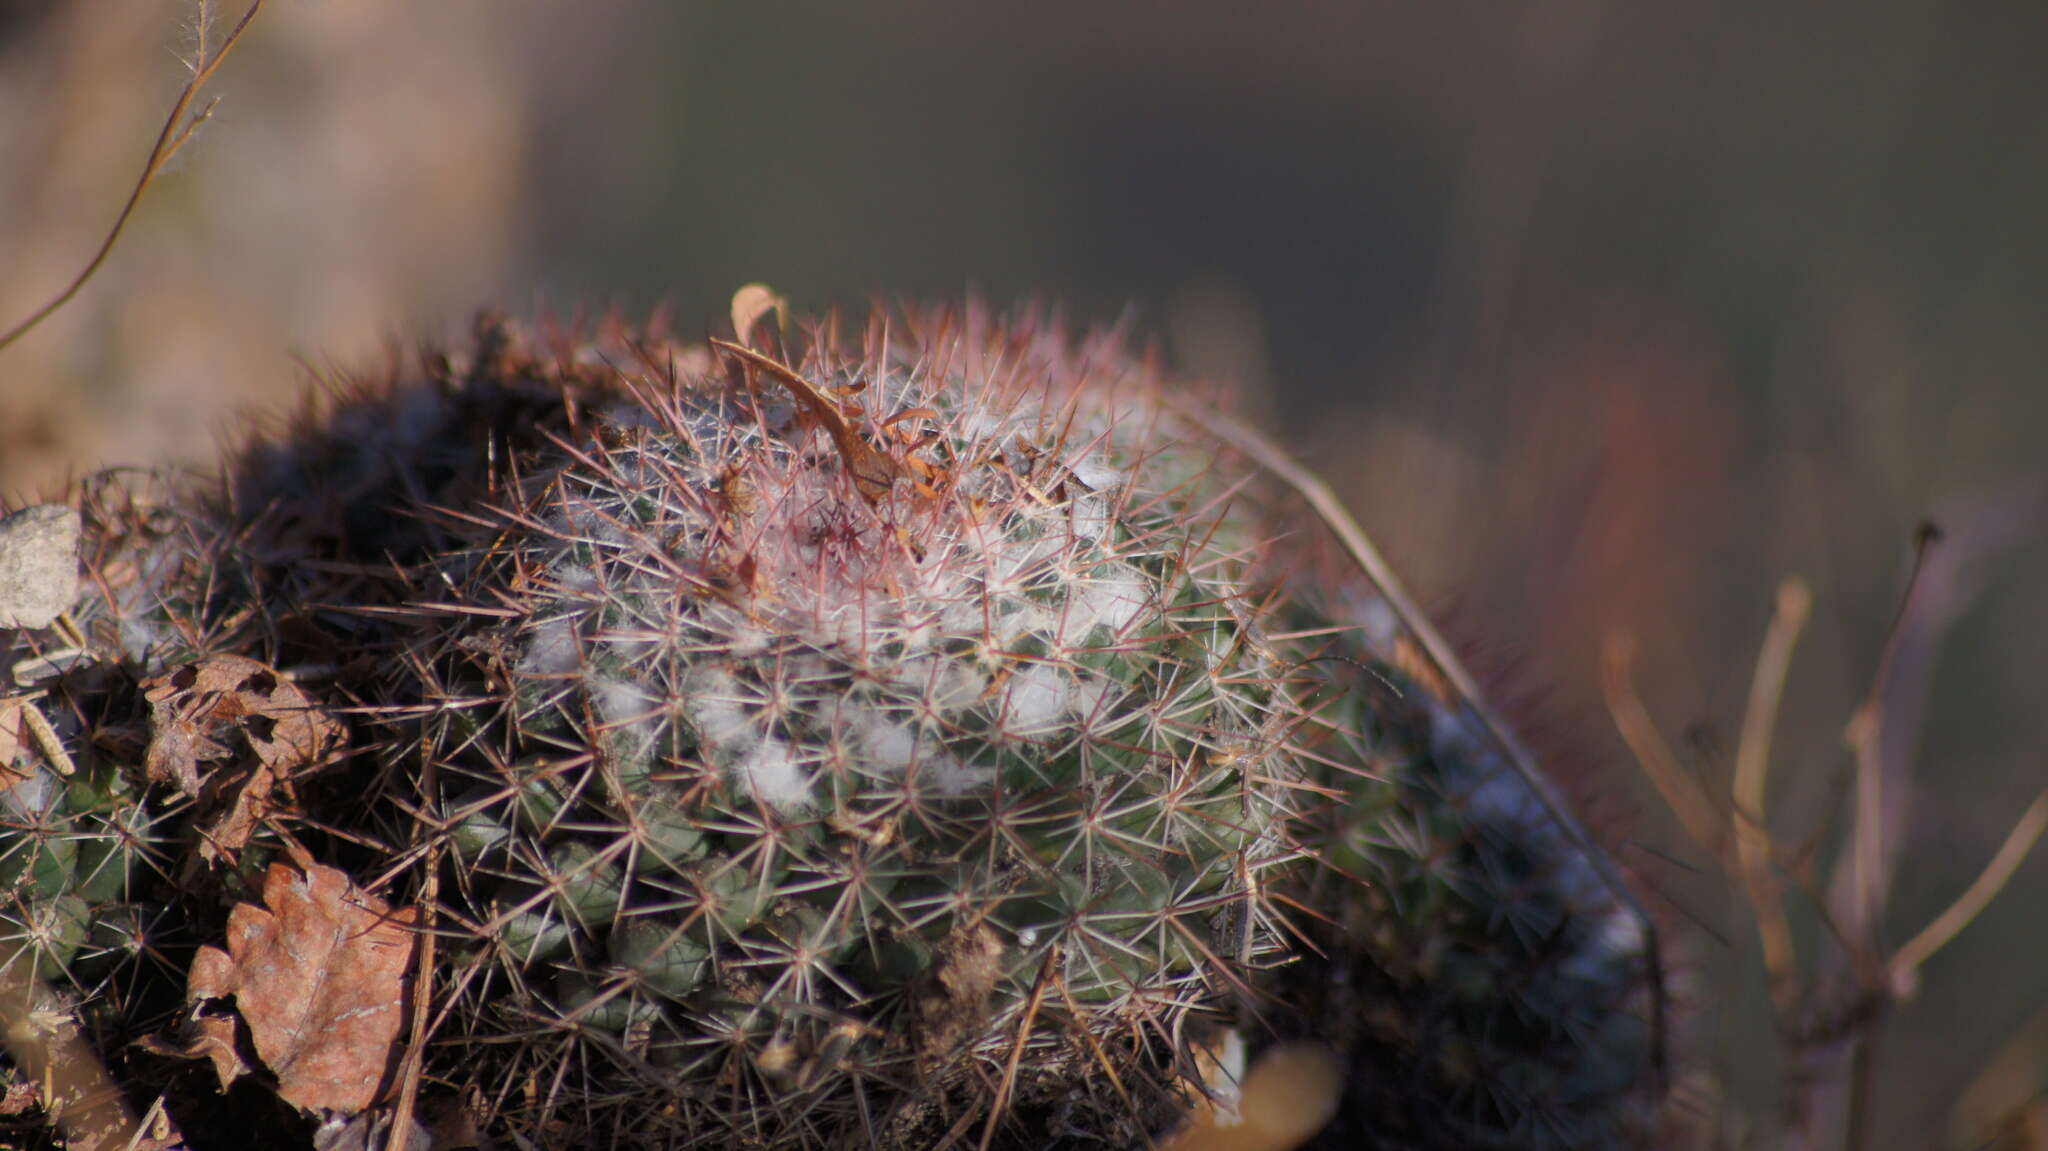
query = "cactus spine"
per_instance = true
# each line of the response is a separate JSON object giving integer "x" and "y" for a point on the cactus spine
{"x": 816, "y": 746}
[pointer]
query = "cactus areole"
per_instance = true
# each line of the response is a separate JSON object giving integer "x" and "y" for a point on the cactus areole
{"x": 929, "y": 733}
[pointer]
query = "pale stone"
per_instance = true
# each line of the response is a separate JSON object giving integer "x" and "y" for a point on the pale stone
{"x": 38, "y": 565}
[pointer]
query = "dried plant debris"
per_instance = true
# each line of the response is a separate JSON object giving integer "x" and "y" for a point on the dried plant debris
{"x": 38, "y": 565}
{"x": 208, "y": 1037}
{"x": 252, "y": 730}
{"x": 953, "y": 995}
{"x": 320, "y": 974}
{"x": 15, "y": 738}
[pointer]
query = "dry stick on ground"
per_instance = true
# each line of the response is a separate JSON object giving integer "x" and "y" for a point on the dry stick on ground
{"x": 1881, "y": 980}
{"x": 410, "y": 1066}
{"x": 176, "y": 131}
{"x": 1046, "y": 974}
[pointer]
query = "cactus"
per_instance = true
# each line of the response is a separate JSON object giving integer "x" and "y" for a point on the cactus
{"x": 802, "y": 746}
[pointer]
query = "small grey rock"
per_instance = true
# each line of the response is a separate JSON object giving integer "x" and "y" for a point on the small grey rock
{"x": 38, "y": 564}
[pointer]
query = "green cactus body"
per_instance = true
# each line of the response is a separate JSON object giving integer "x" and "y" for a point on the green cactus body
{"x": 773, "y": 750}
{"x": 803, "y": 760}
{"x": 70, "y": 848}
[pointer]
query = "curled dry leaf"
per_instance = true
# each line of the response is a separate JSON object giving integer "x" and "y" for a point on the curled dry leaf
{"x": 251, "y": 727}
{"x": 210, "y": 1037}
{"x": 873, "y": 471}
{"x": 319, "y": 973}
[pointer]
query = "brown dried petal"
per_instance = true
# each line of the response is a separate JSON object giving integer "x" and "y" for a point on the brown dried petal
{"x": 319, "y": 973}
{"x": 212, "y": 1038}
{"x": 253, "y": 728}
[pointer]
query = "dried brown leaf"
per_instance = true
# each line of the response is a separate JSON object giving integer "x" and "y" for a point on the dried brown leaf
{"x": 320, "y": 974}
{"x": 1290, "y": 1095}
{"x": 251, "y": 727}
{"x": 211, "y": 1037}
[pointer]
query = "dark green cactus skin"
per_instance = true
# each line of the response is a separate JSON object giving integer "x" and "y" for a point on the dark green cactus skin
{"x": 1491, "y": 990}
{"x": 84, "y": 916}
{"x": 765, "y": 804}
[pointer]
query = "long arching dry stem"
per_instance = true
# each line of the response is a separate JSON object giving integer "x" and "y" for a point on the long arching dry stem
{"x": 175, "y": 132}
{"x": 1906, "y": 960}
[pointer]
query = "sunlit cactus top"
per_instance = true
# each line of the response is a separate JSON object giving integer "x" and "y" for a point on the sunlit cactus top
{"x": 868, "y": 693}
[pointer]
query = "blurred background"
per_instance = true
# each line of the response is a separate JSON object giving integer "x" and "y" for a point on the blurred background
{"x": 1603, "y": 316}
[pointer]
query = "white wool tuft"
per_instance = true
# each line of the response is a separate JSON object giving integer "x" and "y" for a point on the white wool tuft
{"x": 715, "y": 709}
{"x": 949, "y": 777}
{"x": 770, "y": 771}
{"x": 1036, "y": 699}
{"x": 885, "y": 743}
{"x": 573, "y": 579}
{"x": 1096, "y": 474}
{"x": 551, "y": 647}
{"x": 627, "y": 706}
{"x": 1090, "y": 517}
{"x": 1111, "y": 597}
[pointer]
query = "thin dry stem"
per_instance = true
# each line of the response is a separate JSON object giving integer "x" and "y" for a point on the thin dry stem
{"x": 422, "y": 980}
{"x": 1752, "y": 770}
{"x": 1046, "y": 974}
{"x": 1703, "y": 820}
{"x": 173, "y": 136}
{"x": 1865, "y": 737}
{"x": 1756, "y": 855}
{"x": 1906, "y": 961}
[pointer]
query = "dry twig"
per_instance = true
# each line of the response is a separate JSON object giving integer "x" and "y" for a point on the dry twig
{"x": 173, "y": 136}
{"x": 1811, "y": 1027}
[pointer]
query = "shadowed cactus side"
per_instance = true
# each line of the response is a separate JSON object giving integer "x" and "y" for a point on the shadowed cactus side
{"x": 811, "y": 746}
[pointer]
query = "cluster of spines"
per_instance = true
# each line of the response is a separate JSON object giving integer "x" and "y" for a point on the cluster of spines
{"x": 688, "y": 920}
{"x": 1491, "y": 989}
{"x": 79, "y": 851}
{"x": 779, "y": 752}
